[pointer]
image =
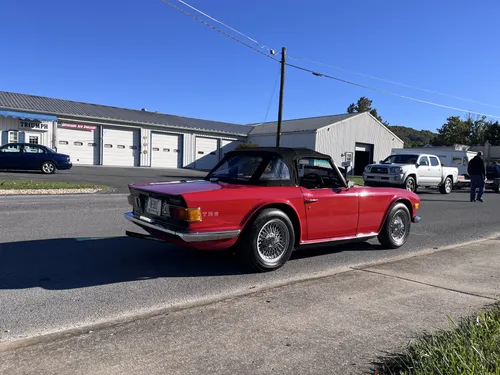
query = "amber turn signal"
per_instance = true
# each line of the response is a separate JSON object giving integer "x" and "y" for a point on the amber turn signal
{"x": 416, "y": 205}
{"x": 191, "y": 215}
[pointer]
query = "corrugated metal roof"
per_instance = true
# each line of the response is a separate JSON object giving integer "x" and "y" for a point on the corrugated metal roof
{"x": 59, "y": 107}
{"x": 299, "y": 125}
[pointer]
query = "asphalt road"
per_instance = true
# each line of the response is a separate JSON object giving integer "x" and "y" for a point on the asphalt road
{"x": 114, "y": 177}
{"x": 65, "y": 262}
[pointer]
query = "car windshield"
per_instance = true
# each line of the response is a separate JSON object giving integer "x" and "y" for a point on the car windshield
{"x": 401, "y": 159}
{"x": 237, "y": 168}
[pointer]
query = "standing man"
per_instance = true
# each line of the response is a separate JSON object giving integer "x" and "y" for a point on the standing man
{"x": 477, "y": 173}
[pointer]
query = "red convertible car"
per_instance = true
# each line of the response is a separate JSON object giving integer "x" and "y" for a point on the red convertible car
{"x": 265, "y": 202}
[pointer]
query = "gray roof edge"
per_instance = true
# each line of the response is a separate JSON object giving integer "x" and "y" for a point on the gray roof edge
{"x": 109, "y": 106}
{"x": 385, "y": 127}
{"x": 348, "y": 118}
{"x": 105, "y": 119}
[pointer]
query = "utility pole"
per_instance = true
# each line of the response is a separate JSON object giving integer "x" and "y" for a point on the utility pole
{"x": 282, "y": 88}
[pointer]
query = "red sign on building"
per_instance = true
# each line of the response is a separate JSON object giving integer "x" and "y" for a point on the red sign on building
{"x": 78, "y": 126}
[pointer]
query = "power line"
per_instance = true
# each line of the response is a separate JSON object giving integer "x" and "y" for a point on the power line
{"x": 225, "y": 25}
{"x": 322, "y": 74}
{"x": 388, "y": 92}
{"x": 218, "y": 30}
{"x": 392, "y": 82}
{"x": 272, "y": 97}
{"x": 336, "y": 67}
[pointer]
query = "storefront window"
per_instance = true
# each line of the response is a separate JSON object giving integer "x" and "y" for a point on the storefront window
{"x": 33, "y": 139}
{"x": 13, "y": 137}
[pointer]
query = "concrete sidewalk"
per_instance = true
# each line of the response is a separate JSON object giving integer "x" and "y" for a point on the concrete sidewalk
{"x": 338, "y": 324}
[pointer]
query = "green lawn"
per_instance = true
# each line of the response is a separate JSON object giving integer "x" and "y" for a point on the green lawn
{"x": 30, "y": 184}
{"x": 471, "y": 348}
{"x": 357, "y": 179}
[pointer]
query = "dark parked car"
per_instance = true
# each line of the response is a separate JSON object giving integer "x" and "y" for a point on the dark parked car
{"x": 27, "y": 156}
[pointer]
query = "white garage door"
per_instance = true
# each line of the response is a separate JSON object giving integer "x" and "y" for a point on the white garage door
{"x": 226, "y": 146}
{"x": 80, "y": 145}
{"x": 120, "y": 147}
{"x": 207, "y": 153}
{"x": 166, "y": 150}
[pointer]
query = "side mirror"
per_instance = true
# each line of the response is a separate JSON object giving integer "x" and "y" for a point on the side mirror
{"x": 350, "y": 184}
{"x": 381, "y": 162}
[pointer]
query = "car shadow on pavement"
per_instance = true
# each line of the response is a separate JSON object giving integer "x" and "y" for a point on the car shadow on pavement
{"x": 71, "y": 263}
{"x": 77, "y": 263}
{"x": 331, "y": 248}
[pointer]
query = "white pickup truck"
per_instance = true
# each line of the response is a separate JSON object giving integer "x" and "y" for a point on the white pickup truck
{"x": 410, "y": 171}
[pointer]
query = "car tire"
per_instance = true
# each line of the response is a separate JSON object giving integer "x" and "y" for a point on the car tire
{"x": 268, "y": 241}
{"x": 410, "y": 184}
{"x": 396, "y": 229}
{"x": 48, "y": 167}
{"x": 447, "y": 186}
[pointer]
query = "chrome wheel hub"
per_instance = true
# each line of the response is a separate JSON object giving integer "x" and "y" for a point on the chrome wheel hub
{"x": 398, "y": 228}
{"x": 448, "y": 185}
{"x": 272, "y": 241}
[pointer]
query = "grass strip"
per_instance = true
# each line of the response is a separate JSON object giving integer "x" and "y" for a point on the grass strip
{"x": 30, "y": 185}
{"x": 357, "y": 179}
{"x": 472, "y": 347}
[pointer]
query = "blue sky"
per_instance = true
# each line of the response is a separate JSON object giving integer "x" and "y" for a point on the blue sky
{"x": 144, "y": 53}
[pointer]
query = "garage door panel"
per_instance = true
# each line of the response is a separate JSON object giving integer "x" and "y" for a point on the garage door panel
{"x": 81, "y": 146}
{"x": 166, "y": 150}
{"x": 121, "y": 147}
{"x": 207, "y": 153}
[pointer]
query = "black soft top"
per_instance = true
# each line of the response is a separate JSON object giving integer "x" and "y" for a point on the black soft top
{"x": 289, "y": 155}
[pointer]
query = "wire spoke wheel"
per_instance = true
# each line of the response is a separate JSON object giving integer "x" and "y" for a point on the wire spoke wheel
{"x": 398, "y": 227}
{"x": 273, "y": 241}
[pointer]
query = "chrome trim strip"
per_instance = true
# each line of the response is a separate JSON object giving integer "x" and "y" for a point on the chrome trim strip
{"x": 187, "y": 237}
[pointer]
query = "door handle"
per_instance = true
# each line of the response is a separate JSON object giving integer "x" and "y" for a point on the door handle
{"x": 311, "y": 200}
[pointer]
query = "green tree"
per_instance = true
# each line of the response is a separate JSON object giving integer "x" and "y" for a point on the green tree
{"x": 454, "y": 131}
{"x": 470, "y": 131}
{"x": 365, "y": 105}
{"x": 492, "y": 133}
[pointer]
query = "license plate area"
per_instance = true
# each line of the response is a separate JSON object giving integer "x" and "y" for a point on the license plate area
{"x": 153, "y": 206}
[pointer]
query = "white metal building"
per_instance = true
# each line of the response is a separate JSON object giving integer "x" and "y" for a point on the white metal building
{"x": 102, "y": 135}
{"x": 357, "y": 137}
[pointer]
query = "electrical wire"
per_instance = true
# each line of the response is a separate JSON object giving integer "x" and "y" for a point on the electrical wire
{"x": 389, "y": 81}
{"x": 272, "y": 95}
{"x": 218, "y": 30}
{"x": 388, "y": 92}
{"x": 225, "y": 25}
{"x": 322, "y": 74}
{"x": 336, "y": 67}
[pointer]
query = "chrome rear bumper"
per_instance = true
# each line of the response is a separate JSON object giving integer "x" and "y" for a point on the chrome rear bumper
{"x": 184, "y": 236}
